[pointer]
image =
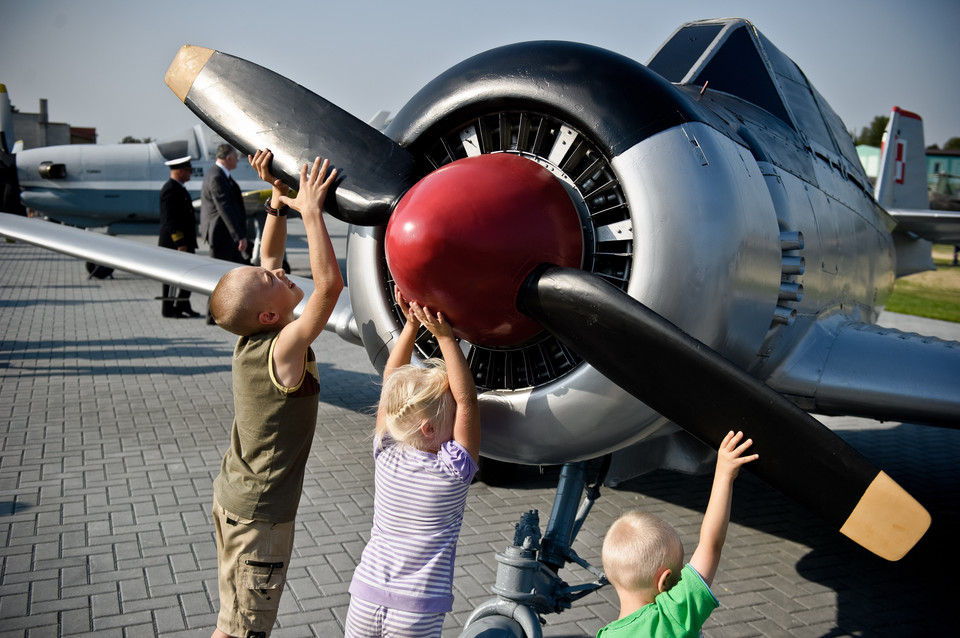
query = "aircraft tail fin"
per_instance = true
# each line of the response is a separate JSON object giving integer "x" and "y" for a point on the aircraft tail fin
{"x": 902, "y": 181}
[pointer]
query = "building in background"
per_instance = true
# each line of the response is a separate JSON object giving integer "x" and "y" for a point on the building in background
{"x": 36, "y": 130}
{"x": 870, "y": 159}
{"x": 943, "y": 178}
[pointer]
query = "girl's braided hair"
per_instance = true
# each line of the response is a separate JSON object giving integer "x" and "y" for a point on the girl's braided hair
{"x": 412, "y": 395}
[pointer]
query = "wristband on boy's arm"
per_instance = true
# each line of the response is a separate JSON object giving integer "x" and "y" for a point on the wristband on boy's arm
{"x": 276, "y": 212}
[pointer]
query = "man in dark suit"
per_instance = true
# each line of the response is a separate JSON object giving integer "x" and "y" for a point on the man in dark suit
{"x": 178, "y": 230}
{"x": 223, "y": 221}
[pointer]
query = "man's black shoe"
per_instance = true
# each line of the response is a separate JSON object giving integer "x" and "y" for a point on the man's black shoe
{"x": 183, "y": 314}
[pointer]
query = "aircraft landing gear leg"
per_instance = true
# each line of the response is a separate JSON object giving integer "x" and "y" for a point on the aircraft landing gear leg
{"x": 527, "y": 581}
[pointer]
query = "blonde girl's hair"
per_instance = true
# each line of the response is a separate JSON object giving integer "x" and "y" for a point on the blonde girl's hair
{"x": 636, "y": 547}
{"x": 412, "y": 395}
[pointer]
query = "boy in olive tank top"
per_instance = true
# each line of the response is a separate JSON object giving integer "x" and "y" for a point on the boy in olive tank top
{"x": 275, "y": 391}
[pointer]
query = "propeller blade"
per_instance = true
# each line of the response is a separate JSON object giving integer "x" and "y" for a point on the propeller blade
{"x": 695, "y": 387}
{"x": 252, "y": 107}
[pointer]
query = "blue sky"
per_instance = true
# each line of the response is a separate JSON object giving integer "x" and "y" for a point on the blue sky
{"x": 101, "y": 63}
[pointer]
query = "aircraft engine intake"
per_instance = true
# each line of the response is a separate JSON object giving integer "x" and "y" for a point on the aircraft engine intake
{"x": 49, "y": 170}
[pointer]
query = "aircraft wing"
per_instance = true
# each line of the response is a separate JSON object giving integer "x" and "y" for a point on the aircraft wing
{"x": 938, "y": 226}
{"x": 847, "y": 367}
{"x": 198, "y": 273}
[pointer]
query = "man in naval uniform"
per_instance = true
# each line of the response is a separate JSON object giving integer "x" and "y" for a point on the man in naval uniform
{"x": 178, "y": 230}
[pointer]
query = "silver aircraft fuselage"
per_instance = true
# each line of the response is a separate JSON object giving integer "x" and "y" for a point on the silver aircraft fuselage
{"x": 97, "y": 185}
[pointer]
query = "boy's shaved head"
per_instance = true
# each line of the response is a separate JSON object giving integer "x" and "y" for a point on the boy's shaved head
{"x": 232, "y": 304}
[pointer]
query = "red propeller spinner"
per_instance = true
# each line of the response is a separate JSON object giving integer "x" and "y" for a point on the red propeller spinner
{"x": 464, "y": 239}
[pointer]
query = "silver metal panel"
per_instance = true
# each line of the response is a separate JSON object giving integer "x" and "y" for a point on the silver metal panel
{"x": 848, "y": 367}
{"x": 707, "y": 257}
{"x": 848, "y": 258}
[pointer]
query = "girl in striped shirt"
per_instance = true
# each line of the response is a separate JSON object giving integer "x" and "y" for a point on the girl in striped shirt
{"x": 426, "y": 446}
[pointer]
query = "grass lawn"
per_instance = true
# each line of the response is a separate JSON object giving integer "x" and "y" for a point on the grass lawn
{"x": 934, "y": 294}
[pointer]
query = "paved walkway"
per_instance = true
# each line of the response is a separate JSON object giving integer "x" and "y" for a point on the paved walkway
{"x": 113, "y": 422}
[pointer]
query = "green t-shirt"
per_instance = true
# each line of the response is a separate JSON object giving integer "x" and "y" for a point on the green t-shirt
{"x": 678, "y": 612}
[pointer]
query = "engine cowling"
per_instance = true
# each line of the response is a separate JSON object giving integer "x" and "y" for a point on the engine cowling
{"x": 670, "y": 212}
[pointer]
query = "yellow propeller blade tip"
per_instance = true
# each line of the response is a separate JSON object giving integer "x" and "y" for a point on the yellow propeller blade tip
{"x": 886, "y": 520}
{"x": 186, "y": 66}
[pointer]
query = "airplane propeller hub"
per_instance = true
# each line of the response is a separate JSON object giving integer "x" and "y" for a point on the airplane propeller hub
{"x": 465, "y": 237}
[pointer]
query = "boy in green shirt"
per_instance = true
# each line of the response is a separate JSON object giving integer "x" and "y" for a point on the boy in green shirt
{"x": 642, "y": 557}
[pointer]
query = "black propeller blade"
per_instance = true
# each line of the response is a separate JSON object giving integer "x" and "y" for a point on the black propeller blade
{"x": 695, "y": 387}
{"x": 252, "y": 107}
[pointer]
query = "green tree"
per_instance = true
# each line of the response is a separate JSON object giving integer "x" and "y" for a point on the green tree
{"x": 953, "y": 144}
{"x": 873, "y": 135}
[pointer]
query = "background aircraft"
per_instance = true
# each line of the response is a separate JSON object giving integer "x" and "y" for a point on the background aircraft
{"x": 95, "y": 185}
{"x": 732, "y": 260}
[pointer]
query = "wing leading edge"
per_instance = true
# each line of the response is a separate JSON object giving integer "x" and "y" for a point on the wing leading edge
{"x": 198, "y": 273}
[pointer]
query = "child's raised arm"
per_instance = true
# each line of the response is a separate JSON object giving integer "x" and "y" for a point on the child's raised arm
{"x": 466, "y": 425}
{"x": 295, "y": 337}
{"x": 274, "y": 240}
{"x": 327, "y": 280}
{"x": 713, "y": 530}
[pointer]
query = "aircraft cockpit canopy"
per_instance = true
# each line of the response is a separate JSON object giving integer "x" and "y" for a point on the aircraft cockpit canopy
{"x": 731, "y": 56}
